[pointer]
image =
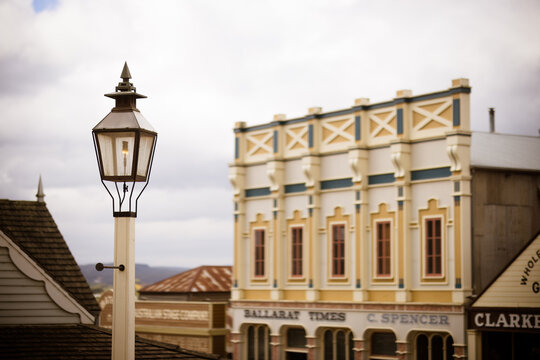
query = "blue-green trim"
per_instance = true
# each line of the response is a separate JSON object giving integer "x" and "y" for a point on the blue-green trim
{"x": 258, "y": 192}
{"x": 295, "y": 188}
{"x": 436, "y": 95}
{"x": 400, "y": 121}
{"x": 381, "y": 179}
{"x": 310, "y": 135}
{"x": 435, "y": 173}
{"x": 336, "y": 184}
{"x": 275, "y": 141}
{"x": 401, "y": 284}
{"x": 458, "y": 283}
{"x": 455, "y": 113}
{"x": 357, "y": 128}
{"x": 236, "y": 148}
{"x": 335, "y": 113}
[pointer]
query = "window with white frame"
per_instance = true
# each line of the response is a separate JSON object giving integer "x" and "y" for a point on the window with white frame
{"x": 383, "y": 250}
{"x": 259, "y": 253}
{"x": 258, "y": 342}
{"x": 338, "y": 250}
{"x": 434, "y": 346}
{"x": 337, "y": 344}
{"x": 433, "y": 247}
{"x": 297, "y": 252}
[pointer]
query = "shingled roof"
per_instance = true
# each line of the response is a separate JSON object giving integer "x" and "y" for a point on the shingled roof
{"x": 78, "y": 341}
{"x": 200, "y": 279}
{"x": 30, "y": 225}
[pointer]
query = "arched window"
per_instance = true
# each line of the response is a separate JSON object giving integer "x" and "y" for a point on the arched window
{"x": 337, "y": 344}
{"x": 295, "y": 348}
{"x": 422, "y": 347}
{"x": 258, "y": 342}
{"x": 437, "y": 348}
{"x": 383, "y": 346}
{"x": 434, "y": 346}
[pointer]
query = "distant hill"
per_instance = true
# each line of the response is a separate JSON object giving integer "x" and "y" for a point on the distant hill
{"x": 144, "y": 274}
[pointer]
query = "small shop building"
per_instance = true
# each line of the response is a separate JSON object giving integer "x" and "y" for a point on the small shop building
{"x": 188, "y": 309}
{"x": 504, "y": 320}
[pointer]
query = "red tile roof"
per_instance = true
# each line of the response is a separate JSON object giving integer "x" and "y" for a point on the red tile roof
{"x": 200, "y": 279}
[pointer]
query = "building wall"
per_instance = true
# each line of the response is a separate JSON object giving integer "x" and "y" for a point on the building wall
{"x": 402, "y": 162}
{"x": 24, "y": 300}
{"x": 506, "y": 214}
{"x": 386, "y": 161}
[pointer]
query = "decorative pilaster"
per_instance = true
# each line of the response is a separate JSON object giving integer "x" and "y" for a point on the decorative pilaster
{"x": 359, "y": 349}
{"x": 474, "y": 350}
{"x": 275, "y": 346}
{"x": 236, "y": 344}
{"x": 311, "y": 168}
{"x": 458, "y": 150}
{"x": 402, "y": 351}
{"x": 237, "y": 179}
{"x": 401, "y": 159}
{"x": 312, "y": 347}
{"x": 358, "y": 161}
{"x": 276, "y": 173}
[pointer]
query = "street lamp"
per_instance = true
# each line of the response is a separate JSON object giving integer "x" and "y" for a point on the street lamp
{"x": 124, "y": 142}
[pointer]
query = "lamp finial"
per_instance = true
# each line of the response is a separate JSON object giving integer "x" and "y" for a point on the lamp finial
{"x": 126, "y": 75}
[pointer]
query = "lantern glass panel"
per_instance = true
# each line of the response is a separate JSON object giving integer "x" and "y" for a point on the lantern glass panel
{"x": 116, "y": 152}
{"x": 146, "y": 144}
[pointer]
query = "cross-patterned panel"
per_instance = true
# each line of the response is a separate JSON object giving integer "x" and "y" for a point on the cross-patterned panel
{"x": 337, "y": 133}
{"x": 296, "y": 140}
{"x": 259, "y": 145}
{"x": 382, "y": 125}
{"x": 432, "y": 117}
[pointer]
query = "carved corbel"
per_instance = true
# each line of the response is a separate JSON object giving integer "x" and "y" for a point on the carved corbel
{"x": 310, "y": 167}
{"x": 358, "y": 164}
{"x": 274, "y": 171}
{"x": 401, "y": 159}
{"x": 455, "y": 163}
{"x": 236, "y": 177}
{"x": 397, "y": 161}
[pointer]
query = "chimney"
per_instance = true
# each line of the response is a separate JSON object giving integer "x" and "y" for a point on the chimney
{"x": 491, "y": 120}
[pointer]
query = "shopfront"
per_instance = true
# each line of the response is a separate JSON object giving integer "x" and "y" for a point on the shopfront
{"x": 504, "y": 321}
{"x": 347, "y": 331}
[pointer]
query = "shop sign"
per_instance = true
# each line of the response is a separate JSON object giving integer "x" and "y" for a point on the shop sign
{"x": 294, "y": 315}
{"x": 340, "y": 316}
{"x": 413, "y": 319}
{"x": 499, "y": 319}
{"x": 530, "y": 265}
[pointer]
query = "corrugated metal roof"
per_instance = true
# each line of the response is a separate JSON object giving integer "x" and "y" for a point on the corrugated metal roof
{"x": 503, "y": 151}
{"x": 201, "y": 279}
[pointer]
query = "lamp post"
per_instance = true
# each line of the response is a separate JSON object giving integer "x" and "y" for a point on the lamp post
{"x": 124, "y": 142}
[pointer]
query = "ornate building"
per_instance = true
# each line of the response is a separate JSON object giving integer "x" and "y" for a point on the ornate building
{"x": 352, "y": 231}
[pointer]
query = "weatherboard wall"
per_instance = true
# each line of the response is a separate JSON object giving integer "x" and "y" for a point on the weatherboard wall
{"x": 24, "y": 300}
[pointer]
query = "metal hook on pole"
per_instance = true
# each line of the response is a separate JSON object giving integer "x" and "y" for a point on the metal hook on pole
{"x": 100, "y": 267}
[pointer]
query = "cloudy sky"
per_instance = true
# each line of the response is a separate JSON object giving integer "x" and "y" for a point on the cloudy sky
{"x": 205, "y": 65}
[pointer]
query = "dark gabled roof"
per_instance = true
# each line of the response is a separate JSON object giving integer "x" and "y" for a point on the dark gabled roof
{"x": 200, "y": 279}
{"x": 76, "y": 341}
{"x": 30, "y": 225}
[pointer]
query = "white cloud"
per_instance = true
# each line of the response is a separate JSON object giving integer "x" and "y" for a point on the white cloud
{"x": 205, "y": 65}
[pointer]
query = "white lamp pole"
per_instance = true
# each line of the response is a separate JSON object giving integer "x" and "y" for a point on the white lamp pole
{"x": 124, "y": 142}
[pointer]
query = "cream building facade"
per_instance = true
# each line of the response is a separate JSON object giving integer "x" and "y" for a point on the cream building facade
{"x": 352, "y": 232}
